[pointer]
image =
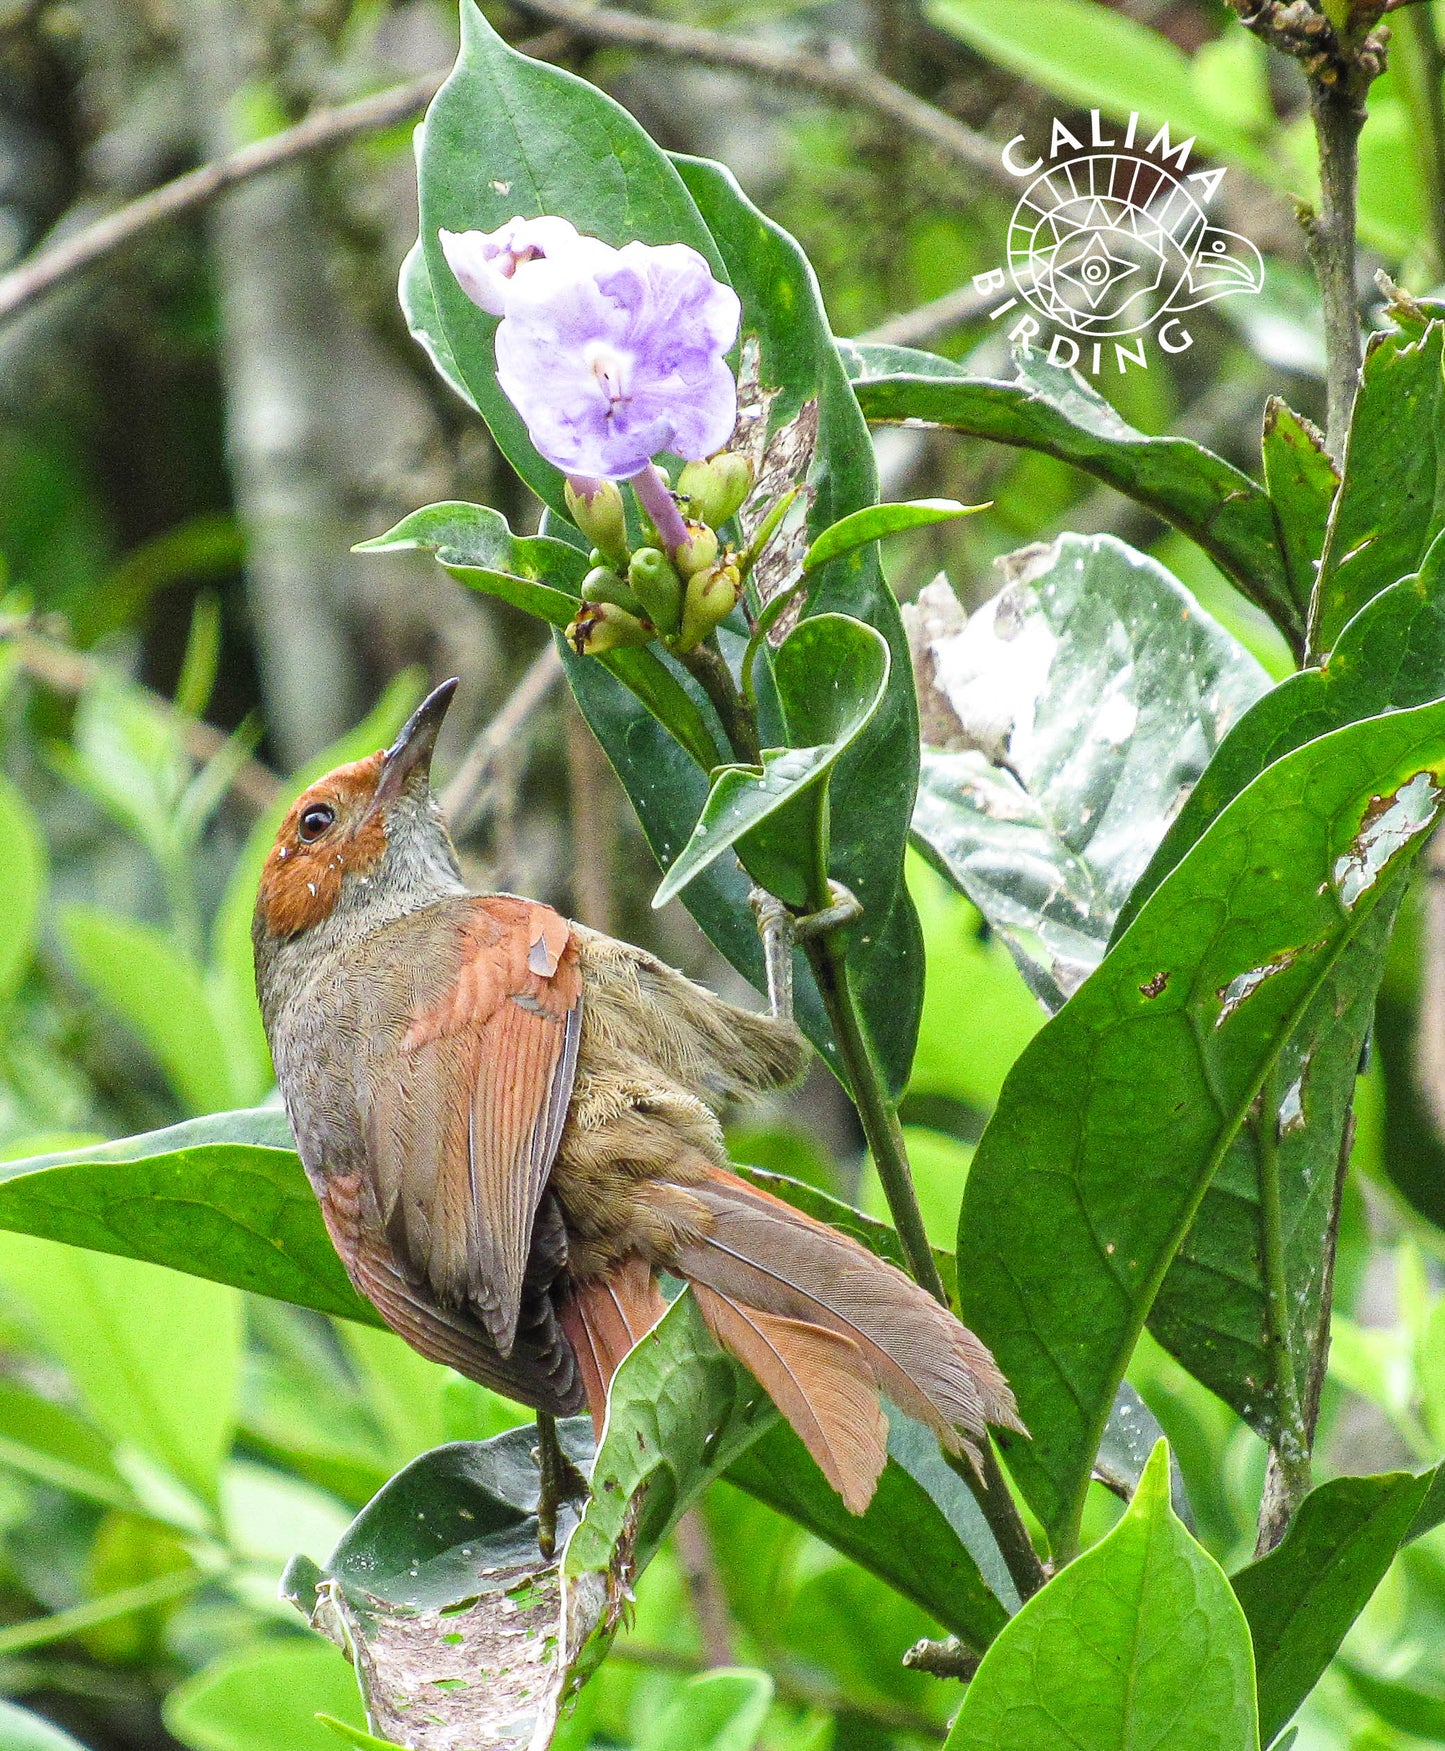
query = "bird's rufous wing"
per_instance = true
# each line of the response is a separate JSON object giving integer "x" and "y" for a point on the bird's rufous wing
{"x": 466, "y": 1112}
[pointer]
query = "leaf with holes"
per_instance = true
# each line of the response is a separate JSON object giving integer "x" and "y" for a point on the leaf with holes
{"x": 1046, "y": 829}
{"x": 1080, "y": 1194}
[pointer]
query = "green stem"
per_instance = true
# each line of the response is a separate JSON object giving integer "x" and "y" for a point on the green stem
{"x": 708, "y": 668}
{"x": 37, "y": 1631}
{"x": 1339, "y": 114}
{"x": 881, "y": 1129}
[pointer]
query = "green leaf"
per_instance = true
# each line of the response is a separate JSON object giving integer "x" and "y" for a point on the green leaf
{"x": 873, "y": 788}
{"x": 1302, "y": 483}
{"x": 723, "y": 1710}
{"x": 1391, "y": 505}
{"x": 233, "y": 974}
{"x": 1136, "y": 1645}
{"x": 139, "y": 972}
{"x": 355, "y": 1736}
{"x": 266, "y": 1699}
{"x": 1055, "y": 411}
{"x": 1406, "y": 1707}
{"x": 923, "y": 1533}
{"x": 155, "y": 1356}
{"x": 508, "y": 135}
{"x": 1044, "y": 830}
{"x": 419, "y": 307}
{"x": 875, "y": 521}
{"x": 22, "y": 881}
{"x": 54, "y": 1445}
{"x": 1302, "y": 1598}
{"x": 679, "y": 1412}
{"x": 20, "y": 1730}
{"x": 440, "y": 1584}
{"x": 831, "y": 674}
{"x": 1093, "y": 57}
{"x": 223, "y": 1197}
{"x": 1391, "y": 656}
{"x": 1078, "y": 1198}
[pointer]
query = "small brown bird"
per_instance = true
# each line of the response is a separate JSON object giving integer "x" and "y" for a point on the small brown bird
{"x": 510, "y": 1121}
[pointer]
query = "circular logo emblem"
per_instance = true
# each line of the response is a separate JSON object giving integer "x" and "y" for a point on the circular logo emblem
{"x": 1104, "y": 244}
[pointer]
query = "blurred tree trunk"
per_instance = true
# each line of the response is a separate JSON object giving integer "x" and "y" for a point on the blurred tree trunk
{"x": 277, "y": 315}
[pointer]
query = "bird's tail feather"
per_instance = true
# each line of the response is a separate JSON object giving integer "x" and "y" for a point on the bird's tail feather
{"x": 824, "y": 1325}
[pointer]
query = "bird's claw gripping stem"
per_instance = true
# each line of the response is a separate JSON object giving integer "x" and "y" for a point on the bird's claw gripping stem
{"x": 560, "y": 1481}
{"x": 845, "y": 907}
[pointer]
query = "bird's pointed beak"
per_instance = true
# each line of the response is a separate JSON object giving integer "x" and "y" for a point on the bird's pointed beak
{"x": 412, "y": 750}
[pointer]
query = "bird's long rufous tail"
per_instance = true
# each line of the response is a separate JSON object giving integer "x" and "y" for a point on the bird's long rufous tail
{"x": 825, "y": 1325}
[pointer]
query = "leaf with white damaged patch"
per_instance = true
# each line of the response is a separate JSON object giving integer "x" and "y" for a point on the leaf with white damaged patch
{"x": 1043, "y": 828}
{"x": 1077, "y": 1201}
{"x": 460, "y": 1633}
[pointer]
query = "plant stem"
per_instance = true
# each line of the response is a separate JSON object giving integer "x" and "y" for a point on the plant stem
{"x": 1338, "y": 114}
{"x": 879, "y": 1117}
{"x": 655, "y": 498}
{"x": 1290, "y": 1480}
{"x": 708, "y": 668}
{"x": 1421, "y": 64}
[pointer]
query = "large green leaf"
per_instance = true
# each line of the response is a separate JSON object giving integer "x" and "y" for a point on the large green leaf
{"x": 141, "y": 974}
{"x": 1390, "y": 656}
{"x": 1137, "y": 1645}
{"x": 1094, "y": 57}
{"x": 831, "y": 674}
{"x": 22, "y": 880}
{"x": 1079, "y": 1194}
{"x": 1391, "y": 505}
{"x": 1302, "y": 1598}
{"x": 222, "y": 1197}
{"x": 716, "y": 1711}
{"x": 265, "y": 1698}
{"x": 508, "y": 135}
{"x": 1046, "y": 830}
{"x": 1054, "y": 410}
{"x": 155, "y": 1356}
{"x": 922, "y": 1533}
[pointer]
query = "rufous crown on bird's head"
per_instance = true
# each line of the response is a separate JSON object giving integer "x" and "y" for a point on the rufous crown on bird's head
{"x": 342, "y": 825}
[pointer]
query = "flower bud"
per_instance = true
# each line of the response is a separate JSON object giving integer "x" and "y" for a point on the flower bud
{"x": 698, "y": 552}
{"x": 711, "y": 596}
{"x": 713, "y": 490}
{"x": 602, "y": 584}
{"x": 658, "y": 587}
{"x": 595, "y": 507}
{"x": 603, "y": 626}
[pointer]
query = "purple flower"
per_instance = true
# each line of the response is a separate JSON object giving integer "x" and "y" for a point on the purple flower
{"x": 485, "y": 262}
{"x": 612, "y": 356}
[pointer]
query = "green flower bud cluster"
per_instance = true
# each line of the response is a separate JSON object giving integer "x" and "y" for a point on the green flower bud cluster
{"x": 631, "y": 596}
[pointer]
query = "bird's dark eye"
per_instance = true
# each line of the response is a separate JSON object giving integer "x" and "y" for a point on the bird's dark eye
{"x": 315, "y": 821}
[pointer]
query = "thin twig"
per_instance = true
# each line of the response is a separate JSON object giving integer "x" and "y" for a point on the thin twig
{"x": 911, "y": 328}
{"x": 698, "y": 1562}
{"x": 593, "y": 799}
{"x": 465, "y": 797}
{"x": 836, "y": 75}
{"x": 71, "y": 672}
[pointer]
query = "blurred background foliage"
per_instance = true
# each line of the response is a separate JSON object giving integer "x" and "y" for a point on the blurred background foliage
{"x": 192, "y": 437}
